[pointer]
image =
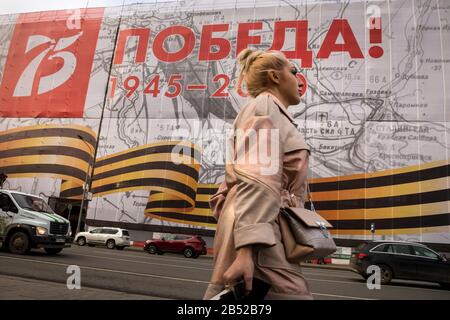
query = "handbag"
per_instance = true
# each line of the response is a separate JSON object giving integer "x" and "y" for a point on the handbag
{"x": 305, "y": 233}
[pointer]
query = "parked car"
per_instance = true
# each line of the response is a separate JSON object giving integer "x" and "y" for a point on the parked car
{"x": 402, "y": 260}
{"x": 110, "y": 237}
{"x": 190, "y": 246}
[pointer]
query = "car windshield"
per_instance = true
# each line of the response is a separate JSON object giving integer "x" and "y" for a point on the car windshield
{"x": 32, "y": 203}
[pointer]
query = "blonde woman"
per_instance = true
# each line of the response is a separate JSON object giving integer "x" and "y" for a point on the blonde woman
{"x": 248, "y": 243}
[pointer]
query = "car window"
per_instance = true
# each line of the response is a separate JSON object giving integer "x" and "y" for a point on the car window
{"x": 33, "y": 203}
{"x": 181, "y": 237}
{"x": 125, "y": 233}
{"x": 424, "y": 252}
{"x": 96, "y": 230}
{"x": 5, "y": 201}
{"x": 169, "y": 236}
{"x": 380, "y": 248}
{"x": 402, "y": 249}
{"x": 389, "y": 248}
{"x": 110, "y": 231}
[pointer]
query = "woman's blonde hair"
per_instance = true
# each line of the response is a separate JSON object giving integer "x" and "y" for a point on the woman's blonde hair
{"x": 254, "y": 68}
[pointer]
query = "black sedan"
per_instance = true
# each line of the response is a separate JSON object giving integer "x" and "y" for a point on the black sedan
{"x": 402, "y": 260}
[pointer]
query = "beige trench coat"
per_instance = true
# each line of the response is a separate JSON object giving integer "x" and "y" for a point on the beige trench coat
{"x": 248, "y": 201}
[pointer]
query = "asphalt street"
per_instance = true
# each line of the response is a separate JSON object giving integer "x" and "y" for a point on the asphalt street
{"x": 131, "y": 274}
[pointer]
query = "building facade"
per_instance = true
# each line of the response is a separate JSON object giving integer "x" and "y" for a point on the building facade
{"x": 131, "y": 106}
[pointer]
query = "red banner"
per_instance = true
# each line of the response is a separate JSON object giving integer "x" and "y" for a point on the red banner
{"x": 46, "y": 73}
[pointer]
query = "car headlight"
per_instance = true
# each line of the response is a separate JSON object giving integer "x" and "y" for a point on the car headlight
{"x": 41, "y": 231}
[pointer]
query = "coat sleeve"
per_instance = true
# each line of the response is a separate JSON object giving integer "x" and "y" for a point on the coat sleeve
{"x": 258, "y": 169}
{"x": 218, "y": 199}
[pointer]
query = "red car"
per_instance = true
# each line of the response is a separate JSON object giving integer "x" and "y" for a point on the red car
{"x": 190, "y": 246}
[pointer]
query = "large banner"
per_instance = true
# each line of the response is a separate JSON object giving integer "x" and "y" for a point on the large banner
{"x": 129, "y": 89}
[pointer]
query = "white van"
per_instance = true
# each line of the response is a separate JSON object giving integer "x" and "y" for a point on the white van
{"x": 27, "y": 221}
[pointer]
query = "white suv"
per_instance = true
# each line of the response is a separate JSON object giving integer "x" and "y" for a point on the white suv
{"x": 111, "y": 237}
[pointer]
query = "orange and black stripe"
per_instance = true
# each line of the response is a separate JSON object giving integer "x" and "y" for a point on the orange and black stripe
{"x": 164, "y": 207}
{"x": 408, "y": 200}
{"x": 169, "y": 167}
{"x": 47, "y": 151}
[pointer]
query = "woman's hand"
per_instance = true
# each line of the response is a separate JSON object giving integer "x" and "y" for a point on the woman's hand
{"x": 242, "y": 267}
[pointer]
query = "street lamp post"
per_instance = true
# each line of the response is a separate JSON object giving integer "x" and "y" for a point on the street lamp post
{"x": 105, "y": 97}
{"x": 85, "y": 186}
{"x": 372, "y": 230}
{"x": 69, "y": 207}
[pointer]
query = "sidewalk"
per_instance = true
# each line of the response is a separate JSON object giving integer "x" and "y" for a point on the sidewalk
{"x": 15, "y": 288}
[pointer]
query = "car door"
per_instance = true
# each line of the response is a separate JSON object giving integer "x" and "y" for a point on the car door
{"x": 7, "y": 211}
{"x": 430, "y": 266}
{"x": 94, "y": 235}
{"x": 404, "y": 261}
{"x": 164, "y": 243}
{"x": 179, "y": 243}
{"x": 380, "y": 254}
{"x": 170, "y": 243}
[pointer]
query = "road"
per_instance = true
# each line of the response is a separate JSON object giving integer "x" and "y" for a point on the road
{"x": 131, "y": 274}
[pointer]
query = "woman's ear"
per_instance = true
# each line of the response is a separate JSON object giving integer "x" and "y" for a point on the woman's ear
{"x": 274, "y": 76}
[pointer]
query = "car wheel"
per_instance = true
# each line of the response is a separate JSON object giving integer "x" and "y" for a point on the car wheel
{"x": 445, "y": 285}
{"x": 120, "y": 248}
{"x": 188, "y": 252}
{"x": 152, "y": 249}
{"x": 81, "y": 241}
{"x": 53, "y": 251}
{"x": 19, "y": 243}
{"x": 110, "y": 244}
{"x": 386, "y": 274}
